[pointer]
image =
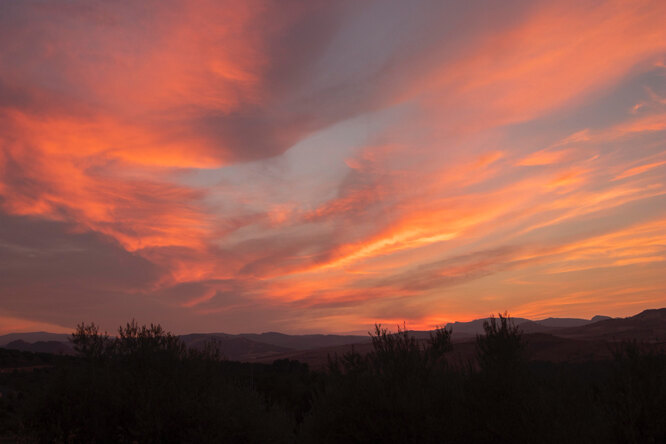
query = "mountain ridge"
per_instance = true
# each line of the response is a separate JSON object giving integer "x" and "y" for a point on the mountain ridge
{"x": 649, "y": 325}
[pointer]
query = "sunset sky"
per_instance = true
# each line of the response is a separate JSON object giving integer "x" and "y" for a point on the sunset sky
{"x": 319, "y": 166}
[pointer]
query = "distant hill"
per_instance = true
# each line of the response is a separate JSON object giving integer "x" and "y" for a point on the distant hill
{"x": 33, "y": 337}
{"x": 648, "y": 325}
{"x": 304, "y": 342}
{"x": 54, "y": 347}
{"x": 475, "y": 327}
{"x": 235, "y": 348}
{"x": 550, "y": 339}
{"x": 540, "y": 346}
{"x": 569, "y": 322}
{"x": 253, "y": 346}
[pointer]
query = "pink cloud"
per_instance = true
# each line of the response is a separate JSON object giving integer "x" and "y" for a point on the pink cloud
{"x": 459, "y": 162}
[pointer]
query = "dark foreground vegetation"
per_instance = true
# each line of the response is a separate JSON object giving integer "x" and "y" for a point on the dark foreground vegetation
{"x": 145, "y": 386}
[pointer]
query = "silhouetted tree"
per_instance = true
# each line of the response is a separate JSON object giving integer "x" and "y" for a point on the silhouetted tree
{"x": 145, "y": 386}
{"x": 89, "y": 342}
{"x": 501, "y": 349}
{"x": 388, "y": 395}
{"x": 500, "y": 391}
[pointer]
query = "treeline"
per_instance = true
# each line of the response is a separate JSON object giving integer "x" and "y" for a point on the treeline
{"x": 144, "y": 385}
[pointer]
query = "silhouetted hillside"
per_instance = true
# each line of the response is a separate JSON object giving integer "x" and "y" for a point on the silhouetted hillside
{"x": 265, "y": 347}
{"x": 649, "y": 325}
{"x": 17, "y": 359}
{"x": 33, "y": 337}
{"x": 233, "y": 347}
{"x": 55, "y": 347}
{"x": 242, "y": 347}
{"x": 505, "y": 386}
{"x": 304, "y": 342}
{"x": 560, "y": 339}
{"x": 569, "y": 322}
{"x": 475, "y": 327}
{"x": 588, "y": 342}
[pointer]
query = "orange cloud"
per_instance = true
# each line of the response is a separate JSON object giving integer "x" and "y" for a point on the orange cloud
{"x": 639, "y": 170}
{"x": 544, "y": 157}
{"x": 158, "y": 129}
{"x": 19, "y": 325}
{"x": 536, "y": 66}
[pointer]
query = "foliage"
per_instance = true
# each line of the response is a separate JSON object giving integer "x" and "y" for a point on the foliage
{"x": 144, "y": 385}
{"x": 89, "y": 342}
{"x": 385, "y": 395}
{"x": 501, "y": 349}
{"x": 500, "y": 394}
{"x": 637, "y": 401}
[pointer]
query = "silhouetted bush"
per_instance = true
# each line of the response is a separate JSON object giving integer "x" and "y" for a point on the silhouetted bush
{"x": 501, "y": 350}
{"x": 89, "y": 343}
{"x": 384, "y": 396}
{"x": 499, "y": 394}
{"x": 144, "y": 385}
{"x": 636, "y": 400}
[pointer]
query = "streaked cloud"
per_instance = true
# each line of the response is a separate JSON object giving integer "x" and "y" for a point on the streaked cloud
{"x": 320, "y": 166}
